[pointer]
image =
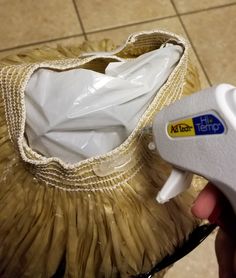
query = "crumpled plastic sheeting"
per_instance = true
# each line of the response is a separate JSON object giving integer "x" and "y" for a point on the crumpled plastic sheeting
{"x": 80, "y": 113}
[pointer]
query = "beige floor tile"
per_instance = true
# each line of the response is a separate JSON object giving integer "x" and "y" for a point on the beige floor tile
{"x": 64, "y": 42}
{"x": 25, "y": 22}
{"x": 200, "y": 263}
{"x": 99, "y": 14}
{"x": 184, "y": 6}
{"x": 213, "y": 33}
{"x": 171, "y": 24}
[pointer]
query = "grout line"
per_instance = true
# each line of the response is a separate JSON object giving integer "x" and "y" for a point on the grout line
{"x": 80, "y": 20}
{"x": 157, "y": 19}
{"x": 126, "y": 25}
{"x": 85, "y": 34}
{"x": 130, "y": 24}
{"x": 204, "y": 10}
{"x": 191, "y": 42}
{"x": 40, "y": 42}
{"x": 195, "y": 50}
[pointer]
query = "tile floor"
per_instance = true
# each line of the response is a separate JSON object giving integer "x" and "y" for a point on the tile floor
{"x": 210, "y": 26}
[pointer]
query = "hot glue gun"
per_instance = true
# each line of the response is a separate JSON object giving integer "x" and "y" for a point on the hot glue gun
{"x": 197, "y": 134}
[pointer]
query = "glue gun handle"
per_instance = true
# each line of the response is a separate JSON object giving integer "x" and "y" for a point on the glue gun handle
{"x": 228, "y": 192}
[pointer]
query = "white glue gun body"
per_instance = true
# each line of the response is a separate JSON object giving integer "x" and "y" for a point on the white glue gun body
{"x": 197, "y": 134}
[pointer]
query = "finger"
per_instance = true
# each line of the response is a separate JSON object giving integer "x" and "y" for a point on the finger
{"x": 225, "y": 252}
{"x": 211, "y": 204}
{"x": 206, "y": 202}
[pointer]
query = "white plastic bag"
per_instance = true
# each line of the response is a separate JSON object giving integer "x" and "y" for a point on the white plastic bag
{"x": 80, "y": 113}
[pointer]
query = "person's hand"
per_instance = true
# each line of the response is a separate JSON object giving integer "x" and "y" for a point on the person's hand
{"x": 212, "y": 205}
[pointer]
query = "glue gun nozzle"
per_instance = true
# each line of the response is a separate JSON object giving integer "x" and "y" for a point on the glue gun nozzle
{"x": 177, "y": 183}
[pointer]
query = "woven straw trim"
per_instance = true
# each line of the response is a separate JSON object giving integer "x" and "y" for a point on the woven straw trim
{"x": 55, "y": 171}
{"x": 115, "y": 232}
